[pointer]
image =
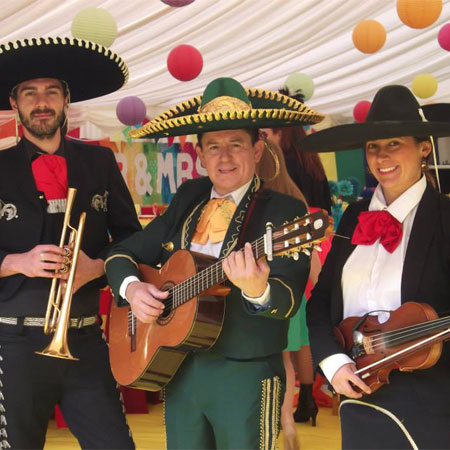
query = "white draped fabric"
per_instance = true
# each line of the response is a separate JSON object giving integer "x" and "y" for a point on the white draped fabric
{"x": 258, "y": 42}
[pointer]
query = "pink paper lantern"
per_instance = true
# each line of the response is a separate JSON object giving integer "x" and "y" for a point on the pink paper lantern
{"x": 185, "y": 62}
{"x": 177, "y": 3}
{"x": 131, "y": 110}
{"x": 444, "y": 37}
{"x": 360, "y": 110}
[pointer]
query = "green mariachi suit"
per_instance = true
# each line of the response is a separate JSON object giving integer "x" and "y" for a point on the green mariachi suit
{"x": 248, "y": 337}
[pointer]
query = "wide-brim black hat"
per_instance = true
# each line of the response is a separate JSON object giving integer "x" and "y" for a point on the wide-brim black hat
{"x": 394, "y": 112}
{"x": 89, "y": 69}
{"x": 226, "y": 105}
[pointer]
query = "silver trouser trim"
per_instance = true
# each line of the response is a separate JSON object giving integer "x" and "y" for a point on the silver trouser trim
{"x": 75, "y": 322}
{"x": 387, "y": 413}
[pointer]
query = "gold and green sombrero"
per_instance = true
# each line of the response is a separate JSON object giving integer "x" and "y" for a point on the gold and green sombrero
{"x": 226, "y": 105}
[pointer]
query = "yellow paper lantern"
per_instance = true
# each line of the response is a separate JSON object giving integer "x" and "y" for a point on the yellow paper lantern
{"x": 369, "y": 36}
{"x": 424, "y": 85}
{"x": 95, "y": 24}
{"x": 419, "y": 13}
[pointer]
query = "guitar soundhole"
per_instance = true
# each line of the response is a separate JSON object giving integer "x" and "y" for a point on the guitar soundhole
{"x": 168, "y": 312}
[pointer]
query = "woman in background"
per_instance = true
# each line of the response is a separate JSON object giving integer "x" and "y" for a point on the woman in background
{"x": 272, "y": 170}
{"x": 307, "y": 172}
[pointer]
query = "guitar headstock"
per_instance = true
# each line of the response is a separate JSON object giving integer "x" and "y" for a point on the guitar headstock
{"x": 300, "y": 234}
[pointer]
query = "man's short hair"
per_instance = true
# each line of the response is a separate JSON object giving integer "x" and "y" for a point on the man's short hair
{"x": 64, "y": 85}
{"x": 253, "y": 132}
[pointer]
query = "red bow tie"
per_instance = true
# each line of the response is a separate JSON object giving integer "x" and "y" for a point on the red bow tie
{"x": 378, "y": 224}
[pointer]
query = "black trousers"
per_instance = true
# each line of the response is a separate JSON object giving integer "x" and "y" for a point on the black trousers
{"x": 85, "y": 390}
{"x": 413, "y": 411}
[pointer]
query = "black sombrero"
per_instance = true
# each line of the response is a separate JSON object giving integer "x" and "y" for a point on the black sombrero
{"x": 226, "y": 105}
{"x": 394, "y": 112}
{"x": 89, "y": 69}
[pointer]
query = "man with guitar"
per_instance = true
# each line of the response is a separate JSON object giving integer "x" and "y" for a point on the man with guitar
{"x": 229, "y": 395}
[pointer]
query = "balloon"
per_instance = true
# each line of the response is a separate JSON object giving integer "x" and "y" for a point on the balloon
{"x": 300, "y": 83}
{"x": 419, "y": 13}
{"x": 96, "y": 25}
{"x": 444, "y": 37}
{"x": 177, "y": 3}
{"x": 131, "y": 110}
{"x": 360, "y": 110}
{"x": 369, "y": 36}
{"x": 185, "y": 62}
{"x": 424, "y": 85}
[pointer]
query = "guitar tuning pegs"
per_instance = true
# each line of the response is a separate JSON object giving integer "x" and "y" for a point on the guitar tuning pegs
{"x": 318, "y": 248}
{"x": 306, "y": 252}
{"x": 295, "y": 256}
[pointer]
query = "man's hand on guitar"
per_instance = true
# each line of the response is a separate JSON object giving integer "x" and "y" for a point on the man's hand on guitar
{"x": 246, "y": 273}
{"x": 345, "y": 380}
{"x": 146, "y": 301}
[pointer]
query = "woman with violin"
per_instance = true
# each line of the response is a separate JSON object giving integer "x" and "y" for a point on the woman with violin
{"x": 388, "y": 252}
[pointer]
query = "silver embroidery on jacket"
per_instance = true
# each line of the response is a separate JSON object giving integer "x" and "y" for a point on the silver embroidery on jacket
{"x": 8, "y": 211}
{"x": 100, "y": 202}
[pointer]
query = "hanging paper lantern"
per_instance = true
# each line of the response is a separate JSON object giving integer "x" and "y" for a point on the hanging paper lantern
{"x": 185, "y": 62}
{"x": 419, "y": 13}
{"x": 95, "y": 24}
{"x": 424, "y": 85}
{"x": 131, "y": 110}
{"x": 444, "y": 37}
{"x": 360, "y": 110}
{"x": 177, "y": 3}
{"x": 300, "y": 83}
{"x": 369, "y": 36}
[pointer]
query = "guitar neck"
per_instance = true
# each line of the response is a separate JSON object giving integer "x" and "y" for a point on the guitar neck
{"x": 207, "y": 278}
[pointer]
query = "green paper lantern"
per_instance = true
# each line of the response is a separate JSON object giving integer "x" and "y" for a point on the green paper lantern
{"x": 96, "y": 25}
{"x": 300, "y": 83}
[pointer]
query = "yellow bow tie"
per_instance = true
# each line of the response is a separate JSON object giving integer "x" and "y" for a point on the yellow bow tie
{"x": 214, "y": 221}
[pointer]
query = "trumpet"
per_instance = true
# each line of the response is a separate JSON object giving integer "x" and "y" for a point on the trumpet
{"x": 58, "y": 311}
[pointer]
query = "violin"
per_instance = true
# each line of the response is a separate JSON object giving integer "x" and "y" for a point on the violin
{"x": 410, "y": 339}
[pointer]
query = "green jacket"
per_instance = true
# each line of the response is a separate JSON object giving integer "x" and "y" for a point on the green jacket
{"x": 246, "y": 333}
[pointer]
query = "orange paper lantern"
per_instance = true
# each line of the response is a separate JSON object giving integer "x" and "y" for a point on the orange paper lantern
{"x": 369, "y": 36}
{"x": 419, "y": 13}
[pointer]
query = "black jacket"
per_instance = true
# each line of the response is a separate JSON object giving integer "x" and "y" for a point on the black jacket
{"x": 92, "y": 170}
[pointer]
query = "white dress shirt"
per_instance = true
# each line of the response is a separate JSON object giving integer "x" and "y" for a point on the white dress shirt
{"x": 371, "y": 277}
{"x": 213, "y": 249}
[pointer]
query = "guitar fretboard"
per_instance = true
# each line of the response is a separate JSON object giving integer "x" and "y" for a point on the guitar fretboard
{"x": 205, "y": 279}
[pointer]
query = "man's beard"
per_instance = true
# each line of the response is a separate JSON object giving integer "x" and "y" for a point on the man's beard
{"x": 45, "y": 128}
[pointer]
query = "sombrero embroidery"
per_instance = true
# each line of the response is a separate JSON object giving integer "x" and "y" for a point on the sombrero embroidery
{"x": 224, "y": 105}
{"x": 89, "y": 69}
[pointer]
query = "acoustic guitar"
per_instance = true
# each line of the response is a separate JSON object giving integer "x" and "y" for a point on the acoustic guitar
{"x": 148, "y": 355}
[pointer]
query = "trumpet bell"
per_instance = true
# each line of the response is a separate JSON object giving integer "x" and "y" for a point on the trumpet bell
{"x": 57, "y": 351}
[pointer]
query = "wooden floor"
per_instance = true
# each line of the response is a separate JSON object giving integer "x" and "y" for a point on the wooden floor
{"x": 148, "y": 432}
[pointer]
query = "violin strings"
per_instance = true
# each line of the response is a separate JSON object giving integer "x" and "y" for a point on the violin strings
{"x": 399, "y": 335}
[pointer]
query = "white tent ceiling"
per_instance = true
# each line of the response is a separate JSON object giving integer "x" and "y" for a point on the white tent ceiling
{"x": 258, "y": 42}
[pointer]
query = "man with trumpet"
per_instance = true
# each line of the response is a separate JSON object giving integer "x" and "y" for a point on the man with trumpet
{"x": 39, "y": 78}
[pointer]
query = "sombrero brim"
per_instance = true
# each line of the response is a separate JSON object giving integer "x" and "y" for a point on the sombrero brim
{"x": 89, "y": 69}
{"x": 269, "y": 109}
{"x": 354, "y": 136}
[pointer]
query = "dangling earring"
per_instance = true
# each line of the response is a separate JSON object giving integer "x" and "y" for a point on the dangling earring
{"x": 275, "y": 160}
{"x": 424, "y": 165}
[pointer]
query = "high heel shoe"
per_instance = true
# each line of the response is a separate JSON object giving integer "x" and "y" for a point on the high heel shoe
{"x": 306, "y": 407}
